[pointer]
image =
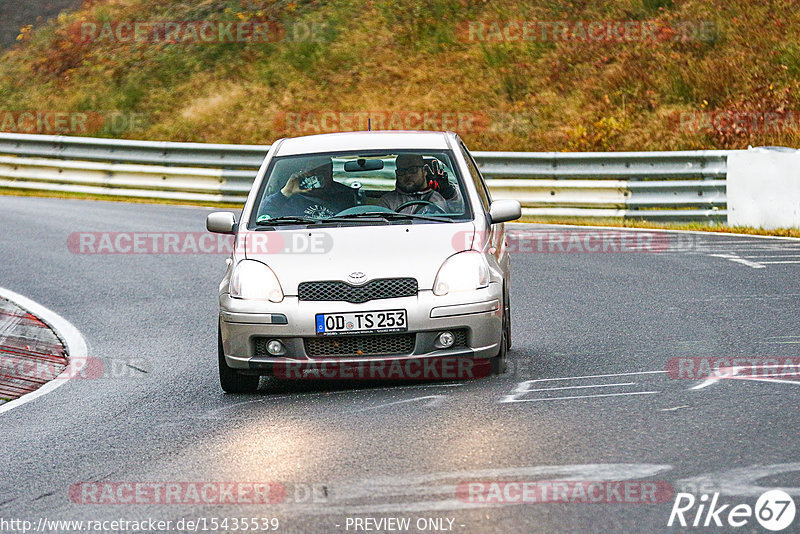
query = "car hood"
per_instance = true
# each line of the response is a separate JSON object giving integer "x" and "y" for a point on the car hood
{"x": 387, "y": 251}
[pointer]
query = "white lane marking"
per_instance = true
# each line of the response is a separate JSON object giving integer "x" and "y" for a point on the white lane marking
{"x": 771, "y": 256}
{"x": 764, "y": 379}
{"x": 740, "y": 481}
{"x": 708, "y": 381}
{"x": 674, "y": 408}
{"x": 782, "y": 296}
{"x": 592, "y": 376}
{"x": 586, "y": 396}
{"x": 732, "y": 373}
{"x": 583, "y": 387}
{"x": 77, "y": 349}
{"x": 777, "y": 262}
{"x": 759, "y": 248}
{"x": 436, "y": 401}
{"x": 737, "y": 259}
{"x": 754, "y": 254}
{"x": 523, "y": 388}
{"x": 739, "y": 249}
{"x": 782, "y": 339}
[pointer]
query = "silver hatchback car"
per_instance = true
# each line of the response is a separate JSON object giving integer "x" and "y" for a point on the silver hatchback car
{"x": 365, "y": 255}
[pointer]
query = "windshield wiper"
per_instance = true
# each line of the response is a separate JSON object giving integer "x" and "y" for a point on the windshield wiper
{"x": 388, "y": 216}
{"x": 288, "y": 219}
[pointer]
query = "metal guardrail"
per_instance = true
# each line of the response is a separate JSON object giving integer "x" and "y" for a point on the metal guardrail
{"x": 688, "y": 186}
{"x": 141, "y": 152}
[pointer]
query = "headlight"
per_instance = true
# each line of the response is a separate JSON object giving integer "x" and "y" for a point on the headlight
{"x": 465, "y": 271}
{"x": 253, "y": 280}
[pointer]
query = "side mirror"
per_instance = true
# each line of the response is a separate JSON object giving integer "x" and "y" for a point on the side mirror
{"x": 504, "y": 211}
{"x": 221, "y": 222}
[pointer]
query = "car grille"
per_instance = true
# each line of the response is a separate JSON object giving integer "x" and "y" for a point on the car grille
{"x": 373, "y": 345}
{"x": 261, "y": 346}
{"x": 461, "y": 338}
{"x": 382, "y": 288}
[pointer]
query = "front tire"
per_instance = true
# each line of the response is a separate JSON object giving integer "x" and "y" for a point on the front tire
{"x": 230, "y": 379}
{"x": 499, "y": 362}
{"x": 507, "y": 319}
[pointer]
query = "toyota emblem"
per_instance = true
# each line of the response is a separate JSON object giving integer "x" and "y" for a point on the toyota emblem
{"x": 357, "y": 277}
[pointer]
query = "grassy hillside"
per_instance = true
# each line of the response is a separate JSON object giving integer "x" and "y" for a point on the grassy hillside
{"x": 408, "y": 57}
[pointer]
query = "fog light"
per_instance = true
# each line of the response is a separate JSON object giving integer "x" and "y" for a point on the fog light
{"x": 445, "y": 340}
{"x": 275, "y": 347}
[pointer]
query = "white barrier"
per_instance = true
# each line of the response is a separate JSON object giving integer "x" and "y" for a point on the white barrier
{"x": 763, "y": 188}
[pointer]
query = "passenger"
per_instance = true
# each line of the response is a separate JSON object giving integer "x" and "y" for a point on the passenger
{"x": 321, "y": 198}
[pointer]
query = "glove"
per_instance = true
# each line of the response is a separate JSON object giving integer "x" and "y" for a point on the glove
{"x": 437, "y": 180}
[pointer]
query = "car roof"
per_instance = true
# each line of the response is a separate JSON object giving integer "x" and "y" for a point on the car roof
{"x": 371, "y": 140}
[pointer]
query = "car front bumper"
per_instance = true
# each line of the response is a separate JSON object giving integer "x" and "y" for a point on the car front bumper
{"x": 476, "y": 315}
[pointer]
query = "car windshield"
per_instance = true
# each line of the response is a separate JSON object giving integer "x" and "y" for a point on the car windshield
{"x": 420, "y": 186}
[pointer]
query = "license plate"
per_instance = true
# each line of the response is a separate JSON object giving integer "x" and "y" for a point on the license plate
{"x": 373, "y": 322}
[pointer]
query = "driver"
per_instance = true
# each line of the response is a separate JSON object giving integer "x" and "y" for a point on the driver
{"x": 412, "y": 184}
{"x": 323, "y": 201}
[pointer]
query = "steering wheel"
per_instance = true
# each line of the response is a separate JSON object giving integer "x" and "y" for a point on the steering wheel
{"x": 419, "y": 203}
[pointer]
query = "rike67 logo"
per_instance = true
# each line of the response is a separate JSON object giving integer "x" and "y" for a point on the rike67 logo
{"x": 774, "y": 510}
